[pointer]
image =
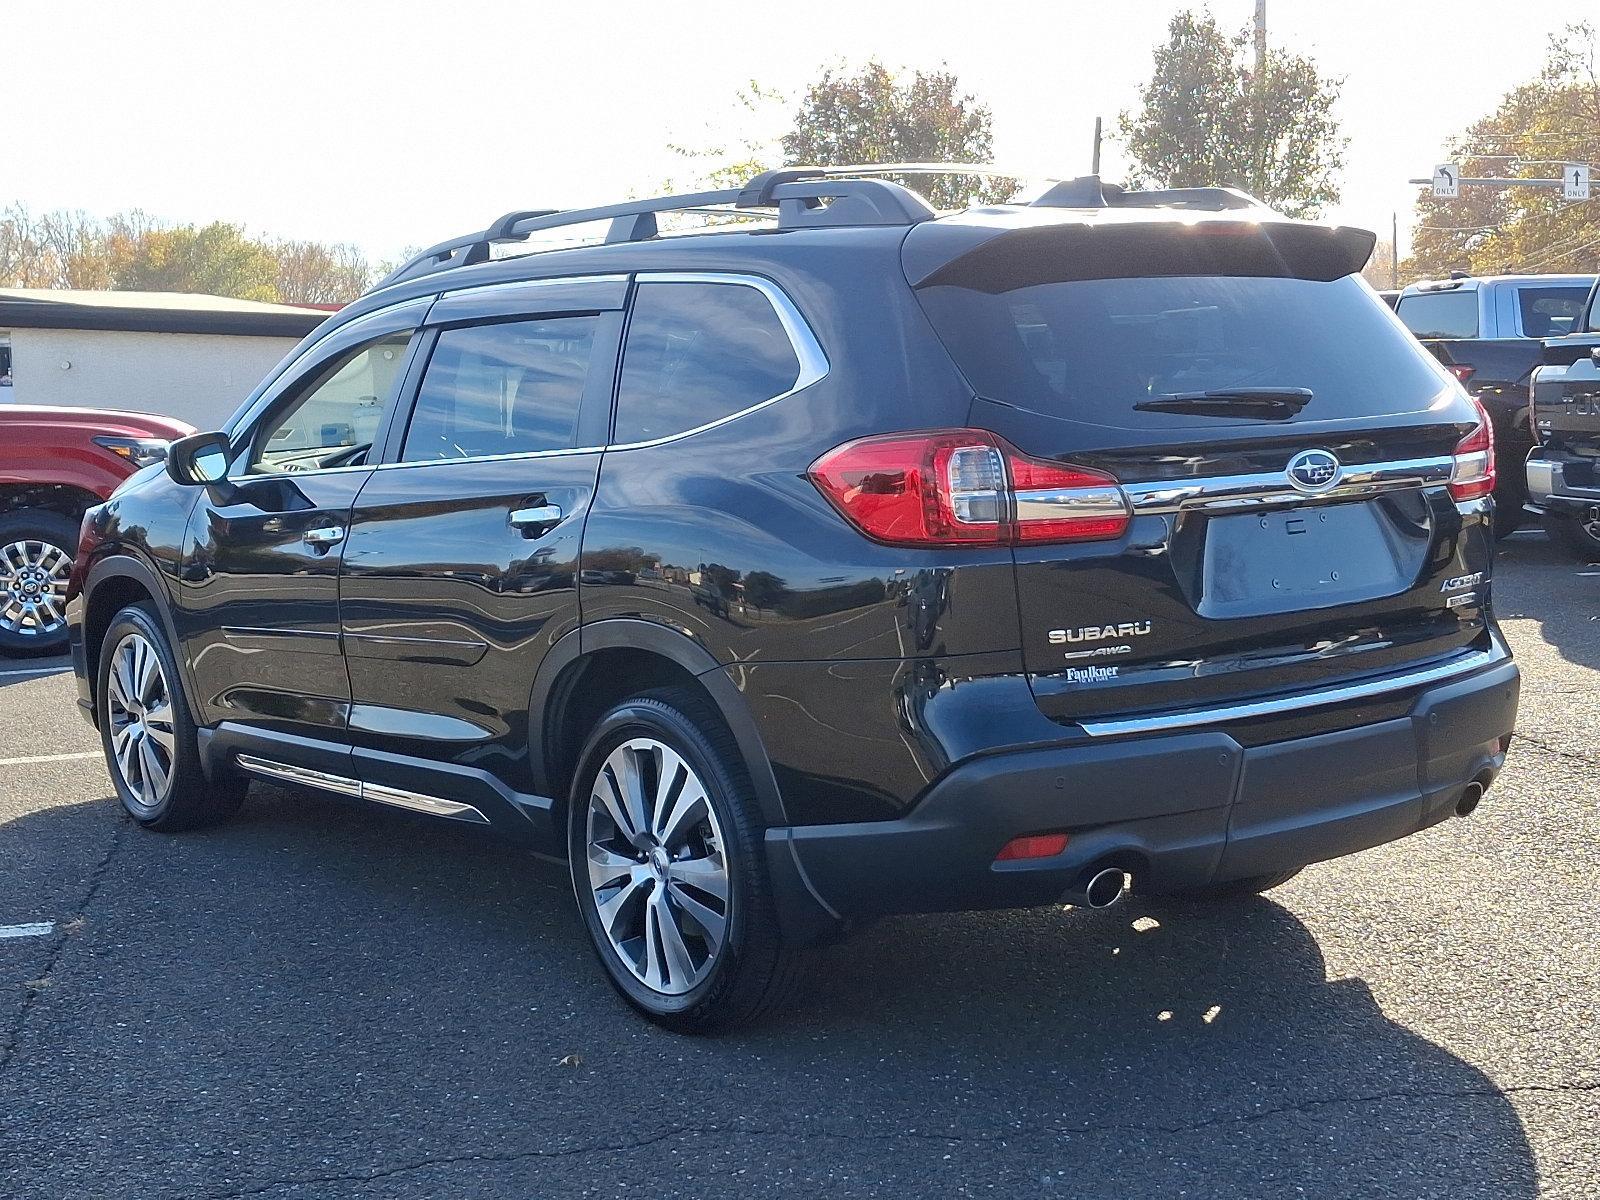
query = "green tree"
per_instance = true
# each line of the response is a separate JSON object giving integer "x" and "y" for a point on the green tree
{"x": 1208, "y": 118}
{"x": 1540, "y": 124}
{"x": 873, "y": 116}
{"x": 217, "y": 259}
{"x": 864, "y": 117}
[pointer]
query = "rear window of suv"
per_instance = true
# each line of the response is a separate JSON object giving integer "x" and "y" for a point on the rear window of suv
{"x": 1440, "y": 314}
{"x": 1090, "y": 350}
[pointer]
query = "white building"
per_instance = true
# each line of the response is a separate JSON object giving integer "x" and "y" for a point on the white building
{"x": 181, "y": 355}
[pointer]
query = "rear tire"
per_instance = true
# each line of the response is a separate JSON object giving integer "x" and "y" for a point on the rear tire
{"x": 148, "y": 734}
{"x": 36, "y": 549}
{"x": 1578, "y": 533}
{"x": 1512, "y": 490}
{"x": 1231, "y": 889}
{"x": 665, "y": 838}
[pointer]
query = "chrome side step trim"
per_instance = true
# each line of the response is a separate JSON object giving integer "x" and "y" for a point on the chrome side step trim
{"x": 434, "y": 806}
{"x": 305, "y": 776}
{"x": 421, "y": 802}
{"x": 1164, "y": 722}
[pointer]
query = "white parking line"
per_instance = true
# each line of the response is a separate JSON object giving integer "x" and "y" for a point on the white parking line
{"x": 42, "y": 758}
{"x": 37, "y": 929}
{"x": 35, "y": 671}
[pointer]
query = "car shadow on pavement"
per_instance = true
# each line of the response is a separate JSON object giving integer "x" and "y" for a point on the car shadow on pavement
{"x": 313, "y": 994}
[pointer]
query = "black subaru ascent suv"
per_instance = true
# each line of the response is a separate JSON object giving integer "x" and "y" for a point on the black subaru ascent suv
{"x": 840, "y": 558}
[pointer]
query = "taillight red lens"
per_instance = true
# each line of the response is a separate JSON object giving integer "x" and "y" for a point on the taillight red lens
{"x": 965, "y": 487}
{"x": 1472, "y": 475}
{"x": 1461, "y": 371}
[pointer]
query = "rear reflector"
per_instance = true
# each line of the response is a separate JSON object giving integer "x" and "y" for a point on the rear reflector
{"x": 1473, "y": 472}
{"x": 1461, "y": 371}
{"x": 966, "y": 487}
{"x": 1039, "y": 845}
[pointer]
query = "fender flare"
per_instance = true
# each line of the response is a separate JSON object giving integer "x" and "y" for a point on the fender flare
{"x": 634, "y": 634}
{"x": 124, "y": 565}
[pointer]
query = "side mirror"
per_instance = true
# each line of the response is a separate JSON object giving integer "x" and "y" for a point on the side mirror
{"x": 199, "y": 459}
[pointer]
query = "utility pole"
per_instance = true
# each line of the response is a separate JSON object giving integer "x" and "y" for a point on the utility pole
{"x": 1394, "y": 249}
{"x": 1094, "y": 168}
{"x": 1261, "y": 39}
{"x": 1258, "y": 151}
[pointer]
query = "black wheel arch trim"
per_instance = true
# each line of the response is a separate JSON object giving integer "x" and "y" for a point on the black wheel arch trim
{"x": 634, "y": 634}
{"x": 124, "y": 565}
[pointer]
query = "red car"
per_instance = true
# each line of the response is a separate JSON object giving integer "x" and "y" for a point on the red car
{"x": 55, "y": 463}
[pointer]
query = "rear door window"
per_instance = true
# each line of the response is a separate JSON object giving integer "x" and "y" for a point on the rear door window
{"x": 697, "y": 353}
{"x": 1093, "y": 350}
{"x": 514, "y": 387}
{"x": 1440, "y": 314}
{"x": 1550, "y": 311}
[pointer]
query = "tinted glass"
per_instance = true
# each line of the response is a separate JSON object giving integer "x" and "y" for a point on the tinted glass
{"x": 1550, "y": 311}
{"x": 1091, "y": 350}
{"x": 334, "y": 420}
{"x": 1440, "y": 314}
{"x": 511, "y": 388}
{"x": 698, "y": 352}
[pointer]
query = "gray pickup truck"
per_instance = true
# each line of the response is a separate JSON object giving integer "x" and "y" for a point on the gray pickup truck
{"x": 1490, "y": 332}
{"x": 1563, "y": 469}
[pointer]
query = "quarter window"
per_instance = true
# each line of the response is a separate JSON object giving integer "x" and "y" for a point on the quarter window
{"x": 509, "y": 388}
{"x": 333, "y": 421}
{"x": 1440, "y": 314}
{"x": 698, "y": 352}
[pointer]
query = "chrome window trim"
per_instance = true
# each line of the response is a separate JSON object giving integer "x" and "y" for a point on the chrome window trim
{"x": 813, "y": 361}
{"x": 435, "y": 806}
{"x": 507, "y": 285}
{"x": 1165, "y": 722}
{"x": 1275, "y": 487}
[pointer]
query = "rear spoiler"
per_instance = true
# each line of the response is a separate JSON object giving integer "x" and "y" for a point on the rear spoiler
{"x": 1057, "y": 253}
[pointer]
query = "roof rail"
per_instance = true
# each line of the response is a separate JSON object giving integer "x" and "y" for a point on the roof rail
{"x": 803, "y": 196}
{"x": 1088, "y": 191}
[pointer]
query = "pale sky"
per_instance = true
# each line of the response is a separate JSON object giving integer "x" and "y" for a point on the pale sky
{"x": 401, "y": 123}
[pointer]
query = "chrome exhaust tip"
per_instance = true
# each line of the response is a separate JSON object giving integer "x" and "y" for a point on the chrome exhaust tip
{"x": 1468, "y": 801}
{"x": 1097, "y": 888}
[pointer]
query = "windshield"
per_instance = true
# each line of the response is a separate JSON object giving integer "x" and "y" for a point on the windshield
{"x": 1097, "y": 351}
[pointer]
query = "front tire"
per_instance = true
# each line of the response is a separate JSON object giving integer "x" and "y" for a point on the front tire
{"x": 148, "y": 734}
{"x": 665, "y": 848}
{"x": 36, "y": 549}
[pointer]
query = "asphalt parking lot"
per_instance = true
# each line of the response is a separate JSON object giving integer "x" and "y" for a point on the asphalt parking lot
{"x": 319, "y": 1001}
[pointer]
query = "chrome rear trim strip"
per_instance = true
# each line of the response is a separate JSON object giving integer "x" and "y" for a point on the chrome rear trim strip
{"x": 398, "y": 797}
{"x": 1274, "y": 487}
{"x": 1165, "y": 722}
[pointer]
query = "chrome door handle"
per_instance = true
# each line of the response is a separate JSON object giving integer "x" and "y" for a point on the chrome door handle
{"x": 544, "y": 514}
{"x": 328, "y": 535}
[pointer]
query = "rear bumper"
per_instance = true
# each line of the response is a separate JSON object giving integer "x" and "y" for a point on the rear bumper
{"x": 1548, "y": 487}
{"x": 1176, "y": 809}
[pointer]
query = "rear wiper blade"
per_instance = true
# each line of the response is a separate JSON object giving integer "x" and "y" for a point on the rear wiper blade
{"x": 1273, "y": 403}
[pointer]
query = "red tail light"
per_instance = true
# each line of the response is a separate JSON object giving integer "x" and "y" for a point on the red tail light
{"x": 1461, "y": 371}
{"x": 966, "y": 487}
{"x": 1038, "y": 845}
{"x": 1473, "y": 473}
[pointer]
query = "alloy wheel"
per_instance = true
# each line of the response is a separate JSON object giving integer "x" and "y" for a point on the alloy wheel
{"x": 140, "y": 720}
{"x": 33, "y": 588}
{"x": 657, "y": 866}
